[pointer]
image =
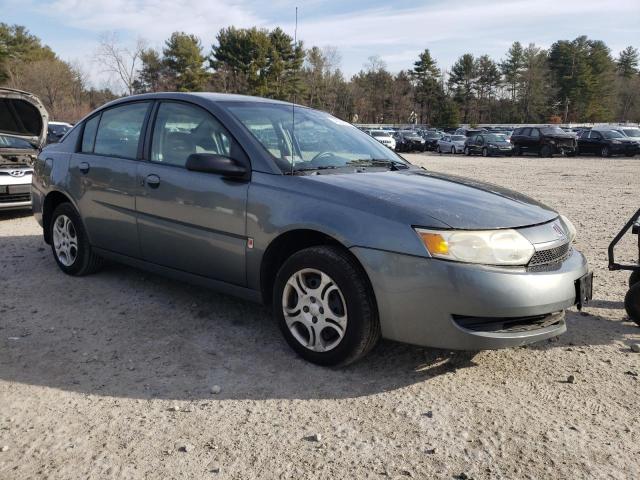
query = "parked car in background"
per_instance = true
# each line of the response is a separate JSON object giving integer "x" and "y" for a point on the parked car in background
{"x": 468, "y": 132}
{"x": 431, "y": 138}
{"x": 23, "y": 127}
{"x": 487, "y": 145}
{"x": 607, "y": 142}
{"x": 543, "y": 141}
{"x": 630, "y": 132}
{"x": 346, "y": 241}
{"x": 384, "y": 138}
{"x": 451, "y": 144}
{"x": 57, "y": 130}
{"x": 409, "y": 141}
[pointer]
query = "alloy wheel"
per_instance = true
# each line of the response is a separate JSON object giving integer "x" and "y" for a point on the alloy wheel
{"x": 315, "y": 310}
{"x": 65, "y": 240}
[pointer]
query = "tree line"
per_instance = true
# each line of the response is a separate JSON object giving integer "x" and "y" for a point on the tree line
{"x": 575, "y": 81}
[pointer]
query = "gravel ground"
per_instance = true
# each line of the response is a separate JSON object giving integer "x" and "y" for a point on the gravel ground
{"x": 113, "y": 375}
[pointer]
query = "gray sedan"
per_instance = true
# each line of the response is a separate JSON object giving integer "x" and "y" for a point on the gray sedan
{"x": 345, "y": 240}
{"x": 451, "y": 144}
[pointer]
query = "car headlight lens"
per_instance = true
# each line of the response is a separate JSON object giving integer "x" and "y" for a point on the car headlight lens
{"x": 492, "y": 145}
{"x": 488, "y": 247}
{"x": 617, "y": 142}
{"x": 571, "y": 229}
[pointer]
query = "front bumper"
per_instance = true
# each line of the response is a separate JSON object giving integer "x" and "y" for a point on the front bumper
{"x": 15, "y": 192}
{"x": 501, "y": 151}
{"x": 433, "y": 303}
{"x": 624, "y": 149}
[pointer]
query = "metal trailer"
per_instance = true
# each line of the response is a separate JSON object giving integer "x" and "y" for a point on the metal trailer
{"x": 632, "y": 298}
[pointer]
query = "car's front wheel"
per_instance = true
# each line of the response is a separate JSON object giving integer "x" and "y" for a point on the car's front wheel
{"x": 69, "y": 243}
{"x": 453, "y": 150}
{"x": 632, "y": 303}
{"x": 485, "y": 152}
{"x": 324, "y": 306}
{"x": 467, "y": 152}
{"x": 605, "y": 152}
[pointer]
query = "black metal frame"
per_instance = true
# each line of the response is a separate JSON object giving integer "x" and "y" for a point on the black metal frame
{"x": 634, "y": 224}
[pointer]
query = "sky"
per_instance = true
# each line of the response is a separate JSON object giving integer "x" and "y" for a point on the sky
{"x": 395, "y": 31}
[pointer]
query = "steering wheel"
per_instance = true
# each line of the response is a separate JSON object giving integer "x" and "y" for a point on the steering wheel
{"x": 320, "y": 156}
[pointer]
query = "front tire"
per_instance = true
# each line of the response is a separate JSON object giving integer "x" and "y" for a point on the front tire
{"x": 467, "y": 152}
{"x": 453, "y": 150}
{"x": 634, "y": 278}
{"x": 485, "y": 152}
{"x": 70, "y": 244}
{"x": 324, "y": 306}
{"x": 605, "y": 152}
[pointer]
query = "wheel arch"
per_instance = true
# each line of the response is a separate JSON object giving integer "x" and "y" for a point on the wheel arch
{"x": 290, "y": 242}
{"x": 51, "y": 202}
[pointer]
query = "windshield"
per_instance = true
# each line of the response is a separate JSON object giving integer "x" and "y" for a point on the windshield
{"x": 495, "y": 137}
{"x": 318, "y": 141}
{"x": 58, "y": 130}
{"x": 458, "y": 138}
{"x": 632, "y": 132}
{"x": 12, "y": 142}
{"x": 612, "y": 134}
{"x": 553, "y": 131}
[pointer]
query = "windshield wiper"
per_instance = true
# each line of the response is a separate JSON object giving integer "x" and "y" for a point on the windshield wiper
{"x": 379, "y": 162}
{"x": 310, "y": 169}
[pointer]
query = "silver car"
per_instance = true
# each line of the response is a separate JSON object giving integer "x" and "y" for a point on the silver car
{"x": 23, "y": 128}
{"x": 451, "y": 144}
{"x": 345, "y": 240}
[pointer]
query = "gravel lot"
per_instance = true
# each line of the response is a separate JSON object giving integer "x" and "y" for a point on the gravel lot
{"x": 111, "y": 376}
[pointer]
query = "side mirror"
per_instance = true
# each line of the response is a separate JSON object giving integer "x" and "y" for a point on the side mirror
{"x": 214, "y": 163}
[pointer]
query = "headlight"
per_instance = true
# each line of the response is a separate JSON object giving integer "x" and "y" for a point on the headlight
{"x": 488, "y": 247}
{"x": 571, "y": 229}
{"x": 552, "y": 142}
{"x": 617, "y": 142}
{"x": 491, "y": 145}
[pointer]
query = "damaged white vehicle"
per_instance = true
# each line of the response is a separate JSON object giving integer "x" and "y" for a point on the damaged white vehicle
{"x": 23, "y": 132}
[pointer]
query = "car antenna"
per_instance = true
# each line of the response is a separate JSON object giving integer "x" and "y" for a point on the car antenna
{"x": 293, "y": 104}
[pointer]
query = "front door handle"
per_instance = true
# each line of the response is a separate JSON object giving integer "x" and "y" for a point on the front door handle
{"x": 84, "y": 167}
{"x": 153, "y": 181}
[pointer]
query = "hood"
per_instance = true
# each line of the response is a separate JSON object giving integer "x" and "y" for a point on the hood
{"x": 22, "y": 115}
{"x": 426, "y": 199}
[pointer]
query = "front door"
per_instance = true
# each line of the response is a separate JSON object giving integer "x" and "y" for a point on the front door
{"x": 191, "y": 221}
{"x": 103, "y": 177}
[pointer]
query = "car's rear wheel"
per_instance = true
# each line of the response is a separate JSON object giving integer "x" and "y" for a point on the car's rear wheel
{"x": 634, "y": 278}
{"x": 324, "y": 306}
{"x": 438, "y": 149}
{"x": 632, "y": 303}
{"x": 629, "y": 155}
{"x": 517, "y": 151}
{"x": 69, "y": 243}
{"x": 453, "y": 150}
{"x": 605, "y": 152}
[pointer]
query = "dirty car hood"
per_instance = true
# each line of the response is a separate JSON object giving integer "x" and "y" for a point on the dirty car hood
{"x": 22, "y": 115}
{"x": 420, "y": 197}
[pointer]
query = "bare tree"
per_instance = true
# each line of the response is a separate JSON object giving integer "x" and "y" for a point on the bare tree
{"x": 118, "y": 60}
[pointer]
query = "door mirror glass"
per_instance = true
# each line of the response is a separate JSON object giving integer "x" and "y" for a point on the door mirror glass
{"x": 214, "y": 163}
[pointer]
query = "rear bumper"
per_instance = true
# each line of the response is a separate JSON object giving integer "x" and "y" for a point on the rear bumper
{"x": 441, "y": 304}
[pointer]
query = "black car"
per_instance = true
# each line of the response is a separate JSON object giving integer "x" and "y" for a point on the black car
{"x": 408, "y": 141}
{"x": 487, "y": 144}
{"x": 431, "y": 140}
{"x": 470, "y": 132}
{"x": 543, "y": 141}
{"x": 607, "y": 142}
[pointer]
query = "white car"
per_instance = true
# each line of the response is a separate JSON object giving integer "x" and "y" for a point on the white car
{"x": 384, "y": 138}
{"x": 23, "y": 131}
{"x": 451, "y": 144}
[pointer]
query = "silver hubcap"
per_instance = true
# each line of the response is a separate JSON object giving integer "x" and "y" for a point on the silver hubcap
{"x": 314, "y": 310}
{"x": 65, "y": 240}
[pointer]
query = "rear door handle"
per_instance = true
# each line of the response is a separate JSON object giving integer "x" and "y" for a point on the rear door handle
{"x": 152, "y": 181}
{"x": 84, "y": 167}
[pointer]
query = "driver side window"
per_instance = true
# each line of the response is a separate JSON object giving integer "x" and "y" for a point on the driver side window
{"x": 181, "y": 129}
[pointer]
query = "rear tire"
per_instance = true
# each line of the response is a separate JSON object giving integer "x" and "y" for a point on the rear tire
{"x": 438, "y": 150}
{"x": 310, "y": 330}
{"x": 453, "y": 150}
{"x": 632, "y": 303}
{"x": 605, "y": 152}
{"x": 634, "y": 278}
{"x": 70, "y": 244}
{"x": 485, "y": 152}
{"x": 545, "y": 151}
{"x": 517, "y": 151}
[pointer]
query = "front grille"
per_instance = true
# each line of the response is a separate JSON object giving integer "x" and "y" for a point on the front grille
{"x": 509, "y": 324}
{"x": 15, "y": 197}
{"x": 551, "y": 255}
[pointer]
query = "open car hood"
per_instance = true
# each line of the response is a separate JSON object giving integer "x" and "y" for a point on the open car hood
{"x": 22, "y": 115}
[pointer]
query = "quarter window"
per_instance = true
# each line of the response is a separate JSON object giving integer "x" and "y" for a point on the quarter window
{"x": 119, "y": 130}
{"x": 89, "y": 134}
{"x": 535, "y": 133}
{"x": 182, "y": 129}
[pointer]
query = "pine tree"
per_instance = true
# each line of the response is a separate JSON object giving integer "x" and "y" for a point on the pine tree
{"x": 184, "y": 62}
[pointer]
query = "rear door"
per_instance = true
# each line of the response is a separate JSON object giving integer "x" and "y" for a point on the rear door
{"x": 191, "y": 221}
{"x": 534, "y": 141}
{"x": 103, "y": 176}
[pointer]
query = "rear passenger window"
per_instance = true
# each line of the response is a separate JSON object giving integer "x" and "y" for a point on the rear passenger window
{"x": 182, "y": 129}
{"x": 89, "y": 134}
{"x": 535, "y": 133}
{"x": 119, "y": 130}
